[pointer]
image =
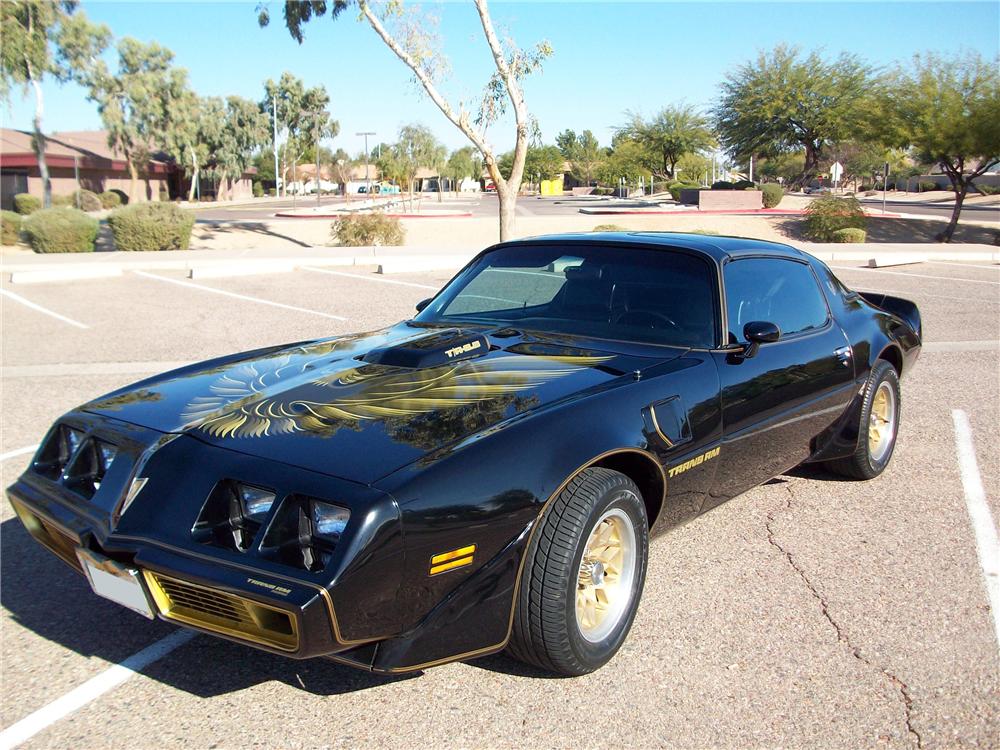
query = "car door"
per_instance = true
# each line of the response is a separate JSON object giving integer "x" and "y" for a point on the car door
{"x": 778, "y": 396}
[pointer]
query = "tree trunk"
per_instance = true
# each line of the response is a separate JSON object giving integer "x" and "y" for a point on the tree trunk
{"x": 221, "y": 188}
{"x": 961, "y": 187}
{"x": 133, "y": 175}
{"x": 194, "y": 178}
{"x": 39, "y": 144}
{"x": 508, "y": 205}
{"x": 809, "y": 168}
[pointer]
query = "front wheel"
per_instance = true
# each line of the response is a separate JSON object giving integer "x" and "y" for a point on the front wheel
{"x": 877, "y": 428}
{"x": 583, "y": 575}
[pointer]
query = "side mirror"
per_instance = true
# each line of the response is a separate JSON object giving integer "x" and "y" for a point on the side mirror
{"x": 423, "y": 303}
{"x": 758, "y": 332}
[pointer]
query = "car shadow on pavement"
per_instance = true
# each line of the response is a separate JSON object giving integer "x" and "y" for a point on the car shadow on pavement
{"x": 47, "y": 597}
{"x": 216, "y": 227}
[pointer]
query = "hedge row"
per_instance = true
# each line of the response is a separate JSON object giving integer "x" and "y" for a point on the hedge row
{"x": 60, "y": 230}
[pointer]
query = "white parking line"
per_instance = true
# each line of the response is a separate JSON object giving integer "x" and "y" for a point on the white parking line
{"x": 93, "y": 688}
{"x": 18, "y": 452}
{"x": 367, "y": 278}
{"x": 39, "y": 308}
{"x": 914, "y": 275}
{"x": 987, "y": 544}
{"x": 224, "y": 293}
{"x": 959, "y": 264}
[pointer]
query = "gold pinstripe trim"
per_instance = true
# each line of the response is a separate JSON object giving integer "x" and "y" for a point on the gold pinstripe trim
{"x": 524, "y": 558}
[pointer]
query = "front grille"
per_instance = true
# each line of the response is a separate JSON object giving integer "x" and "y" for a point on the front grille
{"x": 222, "y": 612}
{"x": 50, "y": 536}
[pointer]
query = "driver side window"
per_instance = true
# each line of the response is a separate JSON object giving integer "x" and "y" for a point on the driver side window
{"x": 779, "y": 291}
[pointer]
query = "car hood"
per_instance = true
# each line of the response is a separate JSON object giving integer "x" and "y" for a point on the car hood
{"x": 362, "y": 406}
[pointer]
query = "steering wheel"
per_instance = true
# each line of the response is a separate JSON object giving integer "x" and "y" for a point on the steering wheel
{"x": 645, "y": 318}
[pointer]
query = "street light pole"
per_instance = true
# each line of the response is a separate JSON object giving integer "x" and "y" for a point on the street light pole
{"x": 368, "y": 183}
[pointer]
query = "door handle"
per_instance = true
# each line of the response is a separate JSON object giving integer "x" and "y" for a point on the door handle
{"x": 843, "y": 353}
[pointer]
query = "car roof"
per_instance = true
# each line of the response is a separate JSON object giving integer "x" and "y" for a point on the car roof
{"x": 716, "y": 247}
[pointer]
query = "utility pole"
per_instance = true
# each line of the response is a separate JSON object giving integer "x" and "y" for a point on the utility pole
{"x": 368, "y": 183}
{"x": 751, "y": 168}
{"x": 274, "y": 106}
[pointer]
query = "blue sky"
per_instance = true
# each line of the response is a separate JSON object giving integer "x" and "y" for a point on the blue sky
{"x": 609, "y": 56}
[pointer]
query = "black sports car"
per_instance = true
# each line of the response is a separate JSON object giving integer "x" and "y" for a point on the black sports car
{"x": 486, "y": 475}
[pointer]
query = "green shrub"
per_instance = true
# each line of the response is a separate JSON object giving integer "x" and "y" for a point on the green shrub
{"x": 365, "y": 230}
{"x": 258, "y": 190}
{"x": 925, "y": 186}
{"x": 110, "y": 199}
{"x": 60, "y": 230}
{"x": 609, "y": 228}
{"x": 722, "y": 185}
{"x": 675, "y": 190}
{"x": 25, "y": 203}
{"x": 772, "y": 194}
{"x": 603, "y": 191}
{"x": 87, "y": 200}
{"x": 272, "y": 191}
{"x": 848, "y": 234}
{"x": 11, "y": 225}
{"x": 744, "y": 185}
{"x": 151, "y": 226}
{"x": 988, "y": 189}
{"x": 63, "y": 201}
{"x": 826, "y": 215}
{"x": 864, "y": 188}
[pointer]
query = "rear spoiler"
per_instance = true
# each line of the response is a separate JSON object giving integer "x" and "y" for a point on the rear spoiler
{"x": 901, "y": 308}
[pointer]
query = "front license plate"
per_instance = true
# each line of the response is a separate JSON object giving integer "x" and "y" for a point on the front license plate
{"x": 120, "y": 584}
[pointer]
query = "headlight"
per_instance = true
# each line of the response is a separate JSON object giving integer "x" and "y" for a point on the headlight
{"x": 329, "y": 521}
{"x": 305, "y": 532}
{"x": 232, "y": 515}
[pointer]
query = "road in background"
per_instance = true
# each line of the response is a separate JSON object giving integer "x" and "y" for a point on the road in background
{"x": 809, "y": 612}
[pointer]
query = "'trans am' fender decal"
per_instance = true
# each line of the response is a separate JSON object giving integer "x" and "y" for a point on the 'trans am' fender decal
{"x": 696, "y": 461}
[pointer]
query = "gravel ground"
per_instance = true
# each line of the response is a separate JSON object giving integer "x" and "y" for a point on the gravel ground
{"x": 808, "y": 612}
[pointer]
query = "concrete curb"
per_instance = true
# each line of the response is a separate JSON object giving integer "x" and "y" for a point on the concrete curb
{"x": 410, "y": 263}
{"x": 65, "y": 273}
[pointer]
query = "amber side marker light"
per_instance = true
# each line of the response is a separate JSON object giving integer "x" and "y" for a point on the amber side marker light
{"x": 457, "y": 558}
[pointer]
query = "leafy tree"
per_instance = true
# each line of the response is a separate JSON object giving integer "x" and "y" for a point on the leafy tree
{"x": 244, "y": 131}
{"x": 541, "y": 163}
{"x": 586, "y": 156}
{"x": 627, "y": 159}
{"x": 137, "y": 102}
{"x": 948, "y": 110}
{"x": 40, "y": 38}
{"x": 461, "y": 164}
{"x": 784, "y": 167}
{"x": 673, "y": 132}
{"x": 340, "y": 167}
{"x": 566, "y": 141}
{"x": 414, "y": 41}
{"x": 782, "y": 102}
{"x": 417, "y": 147}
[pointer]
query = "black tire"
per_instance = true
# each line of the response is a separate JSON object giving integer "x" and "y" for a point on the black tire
{"x": 546, "y": 632}
{"x": 862, "y": 464}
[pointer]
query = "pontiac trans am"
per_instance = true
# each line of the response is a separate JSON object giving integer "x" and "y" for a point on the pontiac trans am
{"x": 487, "y": 475}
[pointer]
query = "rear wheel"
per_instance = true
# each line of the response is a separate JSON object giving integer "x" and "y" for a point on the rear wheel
{"x": 583, "y": 576}
{"x": 877, "y": 428}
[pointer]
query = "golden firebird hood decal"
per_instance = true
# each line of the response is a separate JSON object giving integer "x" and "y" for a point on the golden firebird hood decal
{"x": 239, "y": 404}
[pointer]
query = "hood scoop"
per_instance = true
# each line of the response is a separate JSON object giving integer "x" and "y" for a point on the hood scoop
{"x": 433, "y": 350}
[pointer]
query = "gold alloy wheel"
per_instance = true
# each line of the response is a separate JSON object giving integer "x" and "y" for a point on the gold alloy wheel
{"x": 882, "y": 422}
{"x": 607, "y": 571}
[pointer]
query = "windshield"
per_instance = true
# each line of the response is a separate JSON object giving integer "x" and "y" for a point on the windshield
{"x": 656, "y": 296}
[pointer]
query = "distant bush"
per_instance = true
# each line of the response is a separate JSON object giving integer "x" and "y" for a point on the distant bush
{"x": 604, "y": 191}
{"x": 869, "y": 193}
{"x": 63, "y": 201}
{"x": 258, "y": 190}
{"x": 11, "y": 225}
{"x": 609, "y": 228}
{"x": 151, "y": 226}
{"x": 60, "y": 230}
{"x": 723, "y": 185}
{"x": 849, "y": 234}
{"x": 272, "y": 191}
{"x": 988, "y": 189}
{"x": 86, "y": 200}
{"x": 675, "y": 191}
{"x": 864, "y": 188}
{"x": 365, "y": 230}
{"x": 826, "y": 215}
{"x": 772, "y": 194}
{"x": 925, "y": 186}
{"x": 25, "y": 203}
{"x": 110, "y": 199}
{"x": 744, "y": 185}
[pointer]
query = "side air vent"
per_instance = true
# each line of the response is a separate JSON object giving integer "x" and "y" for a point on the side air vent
{"x": 232, "y": 515}
{"x": 57, "y": 452}
{"x": 88, "y": 467}
{"x": 305, "y": 532}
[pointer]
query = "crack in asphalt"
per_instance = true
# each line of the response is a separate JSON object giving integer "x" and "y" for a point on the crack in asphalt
{"x": 902, "y": 687}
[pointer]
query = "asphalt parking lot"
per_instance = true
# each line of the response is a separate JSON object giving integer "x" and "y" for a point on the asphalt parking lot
{"x": 809, "y": 612}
